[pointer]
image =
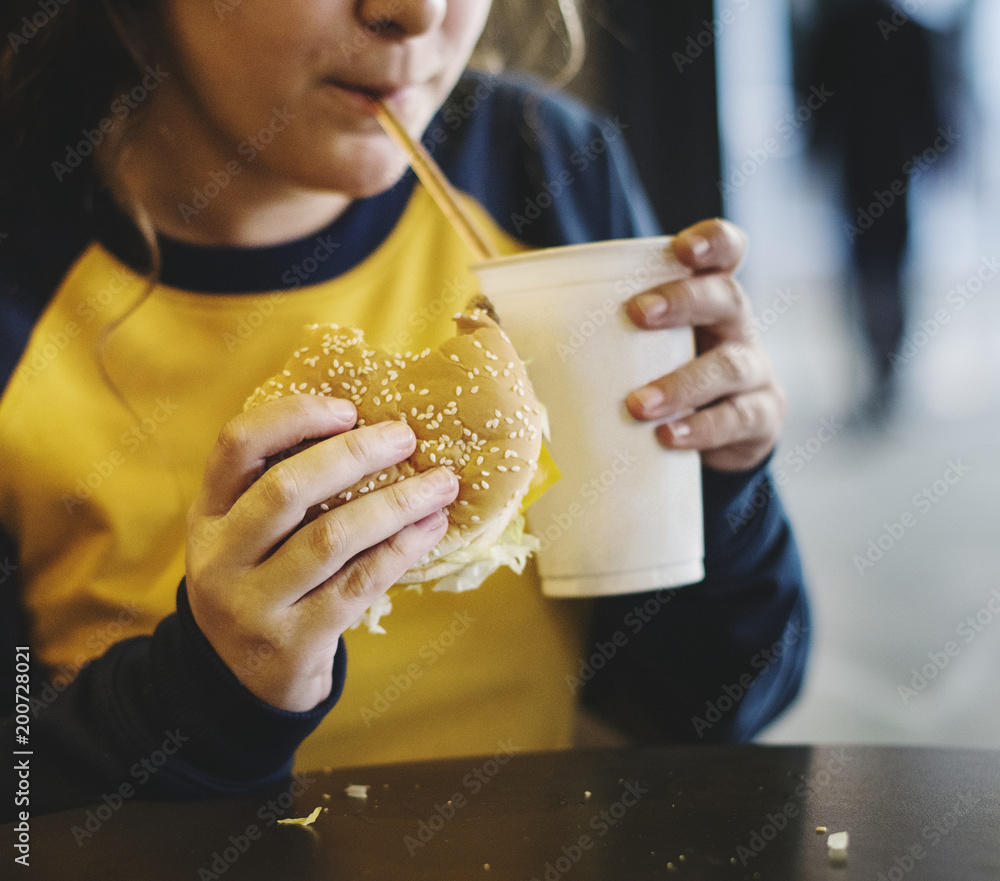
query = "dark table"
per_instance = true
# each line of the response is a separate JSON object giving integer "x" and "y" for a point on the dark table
{"x": 712, "y": 812}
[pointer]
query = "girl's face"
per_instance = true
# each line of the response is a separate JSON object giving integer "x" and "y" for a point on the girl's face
{"x": 279, "y": 85}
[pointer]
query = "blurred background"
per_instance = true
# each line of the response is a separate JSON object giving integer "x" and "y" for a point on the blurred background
{"x": 858, "y": 144}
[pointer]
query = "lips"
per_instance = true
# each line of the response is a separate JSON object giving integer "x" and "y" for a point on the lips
{"x": 393, "y": 93}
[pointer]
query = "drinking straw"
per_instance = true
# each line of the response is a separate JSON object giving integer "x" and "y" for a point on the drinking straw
{"x": 433, "y": 179}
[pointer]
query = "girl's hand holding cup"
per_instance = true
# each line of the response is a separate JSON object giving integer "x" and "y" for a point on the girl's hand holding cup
{"x": 738, "y": 406}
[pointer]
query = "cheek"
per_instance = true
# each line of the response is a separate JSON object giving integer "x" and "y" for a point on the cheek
{"x": 237, "y": 67}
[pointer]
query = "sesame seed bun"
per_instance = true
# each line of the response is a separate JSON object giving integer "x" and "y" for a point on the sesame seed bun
{"x": 469, "y": 403}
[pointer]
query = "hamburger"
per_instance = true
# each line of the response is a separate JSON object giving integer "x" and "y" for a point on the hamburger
{"x": 472, "y": 408}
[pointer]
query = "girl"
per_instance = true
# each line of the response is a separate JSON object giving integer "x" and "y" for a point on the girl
{"x": 186, "y": 184}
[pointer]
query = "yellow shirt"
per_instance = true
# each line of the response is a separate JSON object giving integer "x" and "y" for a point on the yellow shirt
{"x": 94, "y": 492}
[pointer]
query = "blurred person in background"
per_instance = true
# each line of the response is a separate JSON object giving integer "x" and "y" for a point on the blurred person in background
{"x": 883, "y": 127}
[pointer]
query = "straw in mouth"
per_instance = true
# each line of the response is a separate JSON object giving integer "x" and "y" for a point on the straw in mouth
{"x": 436, "y": 183}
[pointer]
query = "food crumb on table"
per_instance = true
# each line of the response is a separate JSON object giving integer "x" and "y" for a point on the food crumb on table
{"x": 837, "y": 847}
{"x": 357, "y": 790}
{"x": 302, "y": 821}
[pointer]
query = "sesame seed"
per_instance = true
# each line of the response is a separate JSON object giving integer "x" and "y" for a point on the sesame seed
{"x": 423, "y": 391}
{"x": 515, "y": 467}
{"x": 485, "y": 485}
{"x": 382, "y": 476}
{"x": 454, "y": 358}
{"x": 474, "y": 518}
{"x": 458, "y": 390}
{"x": 475, "y": 389}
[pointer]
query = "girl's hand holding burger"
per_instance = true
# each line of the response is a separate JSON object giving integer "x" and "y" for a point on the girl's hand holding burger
{"x": 738, "y": 406}
{"x": 273, "y": 598}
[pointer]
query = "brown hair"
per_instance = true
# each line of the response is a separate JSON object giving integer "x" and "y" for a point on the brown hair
{"x": 61, "y": 66}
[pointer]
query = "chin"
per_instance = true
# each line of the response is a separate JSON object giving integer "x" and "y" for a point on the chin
{"x": 366, "y": 170}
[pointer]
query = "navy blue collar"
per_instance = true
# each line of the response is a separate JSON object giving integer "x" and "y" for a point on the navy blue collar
{"x": 330, "y": 252}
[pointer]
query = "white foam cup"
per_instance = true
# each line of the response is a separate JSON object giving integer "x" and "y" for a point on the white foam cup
{"x": 627, "y": 514}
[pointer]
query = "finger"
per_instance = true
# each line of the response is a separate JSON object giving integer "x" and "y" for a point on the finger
{"x": 752, "y": 417}
{"x": 275, "y": 505}
{"x": 247, "y": 440}
{"x": 340, "y": 601}
{"x": 321, "y": 548}
{"x": 715, "y": 300}
{"x": 716, "y": 245}
{"x": 728, "y": 369}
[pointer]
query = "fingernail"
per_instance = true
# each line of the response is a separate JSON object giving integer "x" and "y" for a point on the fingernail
{"x": 698, "y": 245}
{"x": 342, "y": 407}
{"x": 398, "y": 434}
{"x": 649, "y": 397}
{"x": 652, "y": 306}
{"x": 440, "y": 480}
{"x": 432, "y": 522}
{"x": 679, "y": 430}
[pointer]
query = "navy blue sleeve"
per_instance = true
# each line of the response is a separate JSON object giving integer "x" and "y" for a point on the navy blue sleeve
{"x": 718, "y": 660}
{"x": 713, "y": 661}
{"x": 155, "y": 717}
{"x": 548, "y": 169}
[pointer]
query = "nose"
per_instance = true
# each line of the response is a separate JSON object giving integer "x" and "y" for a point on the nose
{"x": 404, "y": 17}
